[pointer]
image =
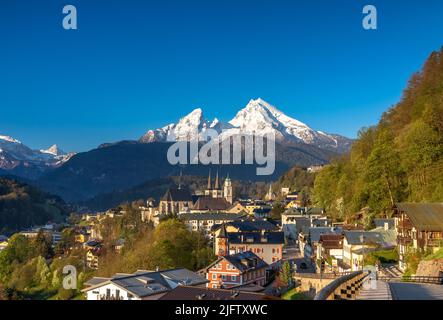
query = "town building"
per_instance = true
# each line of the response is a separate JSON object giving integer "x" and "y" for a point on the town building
{"x": 295, "y": 220}
{"x": 204, "y": 222}
{"x": 174, "y": 201}
{"x": 284, "y": 191}
{"x": 207, "y": 203}
{"x": 93, "y": 257}
{"x": 330, "y": 250}
{"x": 141, "y": 285}
{"x": 315, "y": 168}
{"x": 245, "y": 225}
{"x": 237, "y": 207}
{"x": 262, "y": 213}
{"x": 236, "y": 270}
{"x": 309, "y": 240}
{"x": 267, "y": 245}
{"x": 357, "y": 244}
{"x": 215, "y": 191}
{"x": 419, "y": 227}
{"x": 149, "y": 212}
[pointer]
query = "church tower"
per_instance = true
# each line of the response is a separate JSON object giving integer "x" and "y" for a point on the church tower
{"x": 227, "y": 190}
{"x": 217, "y": 192}
{"x": 208, "y": 191}
{"x": 270, "y": 195}
{"x": 222, "y": 242}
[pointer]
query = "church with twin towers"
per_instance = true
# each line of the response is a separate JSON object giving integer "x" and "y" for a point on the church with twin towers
{"x": 215, "y": 190}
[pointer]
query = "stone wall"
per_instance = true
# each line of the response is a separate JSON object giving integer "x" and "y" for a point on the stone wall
{"x": 431, "y": 268}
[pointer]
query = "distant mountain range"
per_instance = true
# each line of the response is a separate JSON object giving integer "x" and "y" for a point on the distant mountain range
{"x": 117, "y": 167}
{"x": 18, "y": 159}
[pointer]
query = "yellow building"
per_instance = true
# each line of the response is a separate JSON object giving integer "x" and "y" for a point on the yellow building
{"x": 81, "y": 238}
{"x": 237, "y": 208}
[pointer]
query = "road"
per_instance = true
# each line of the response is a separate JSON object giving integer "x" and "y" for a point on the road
{"x": 293, "y": 255}
{"x": 416, "y": 291}
{"x": 375, "y": 290}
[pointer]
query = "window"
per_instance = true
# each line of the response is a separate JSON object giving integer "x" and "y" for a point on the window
{"x": 108, "y": 293}
{"x": 117, "y": 293}
{"x": 214, "y": 276}
{"x": 234, "y": 278}
{"x": 214, "y": 286}
{"x": 223, "y": 277}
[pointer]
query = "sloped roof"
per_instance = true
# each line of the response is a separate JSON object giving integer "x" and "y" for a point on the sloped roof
{"x": 424, "y": 216}
{"x": 211, "y": 216}
{"x": 254, "y": 225}
{"x": 380, "y": 223}
{"x": 151, "y": 282}
{"x": 331, "y": 241}
{"x": 175, "y": 194}
{"x": 213, "y": 204}
{"x": 243, "y": 261}
{"x": 316, "y": 232}
{"x": 379, "y": 236}
{"x": 256, "y": 237}
{"x": 194, "y": 293}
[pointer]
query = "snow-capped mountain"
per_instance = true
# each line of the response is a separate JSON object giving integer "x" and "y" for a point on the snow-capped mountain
{"x": 54, "y": 150}
{"x": 14, "y": 154}
{"x": 258, "y": 117}
{"x": 186, "y": 129}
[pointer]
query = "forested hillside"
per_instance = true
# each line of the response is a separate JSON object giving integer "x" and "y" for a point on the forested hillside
{"x": 22, "y": 206}
{"x": 296, "y": 179}
{"x": 400, "y": 159}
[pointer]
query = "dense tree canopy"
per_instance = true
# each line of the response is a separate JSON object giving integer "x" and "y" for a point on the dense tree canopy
{"x": 22, "y": 206}
{"x": 400, "y": 159}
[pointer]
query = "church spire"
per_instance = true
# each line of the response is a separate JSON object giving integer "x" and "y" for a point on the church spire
{"x": 209, "y": 180}
{"x": 216, "y": 186}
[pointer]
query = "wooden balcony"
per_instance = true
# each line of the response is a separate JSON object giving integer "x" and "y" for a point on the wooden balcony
{"x": 405, "y": 224}
{"x": 404, "y": 240}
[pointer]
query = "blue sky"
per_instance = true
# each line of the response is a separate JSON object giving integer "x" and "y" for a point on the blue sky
{"x": 134, "y": 65}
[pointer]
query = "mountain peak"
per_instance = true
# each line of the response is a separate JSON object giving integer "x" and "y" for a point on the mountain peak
{"x": 54, "y": 150}
{"x": 257, "y": 117}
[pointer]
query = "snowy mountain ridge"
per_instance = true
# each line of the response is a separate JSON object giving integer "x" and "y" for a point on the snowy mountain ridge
{"x": 14, "y": 153}
{"x": 258, "y": 117}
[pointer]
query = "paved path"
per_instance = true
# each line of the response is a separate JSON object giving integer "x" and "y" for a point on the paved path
{"x": 416, "y": 291}
{"x": 375, "y": 290}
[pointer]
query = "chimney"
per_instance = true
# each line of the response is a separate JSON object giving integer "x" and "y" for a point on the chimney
{"x": 386, "y": 225}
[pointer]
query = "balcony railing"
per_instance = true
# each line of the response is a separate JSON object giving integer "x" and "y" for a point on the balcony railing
{"x": 111, "y": 297}
{"x": 433, "y": 242}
